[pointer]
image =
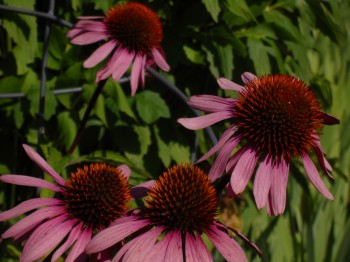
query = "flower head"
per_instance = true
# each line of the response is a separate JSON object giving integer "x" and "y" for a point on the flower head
{"x": 181, "y": 206}
{"x": 85, "y": 203}
{"x": 275, "y": 118}
{"x": 133, "y": 33}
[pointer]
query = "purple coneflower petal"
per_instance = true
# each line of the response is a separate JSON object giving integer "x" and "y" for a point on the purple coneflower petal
{"x": 314, "y": 177}
{"x": 125, "y": 170}
{"x": 74, "y": 32}
{"x": 279, "y": 174}
{"x": 223, "y": 139}
{"x": 243, "y": 170}
{"x": 142, "y": 189}
{"x": 247, "y": 77}
{"x": 326, "y": 167}
{"x": 196, "y": 250}
{"x": 99, "y": 54}
{"x": 87, "y": 37}
{"x": 76, "y": 232}
{"x": 92, "y": 26}
{"x": 27, "y": 206}
{"x": 329, "y": 120}
{"x": 111, "y": 65}
{"x": 135, "y": 73}
{"x": 234, "y": 159}
{"x": 227, "y": 246}
{"x": 210, "y": 103}
{"x": 77, "y": 252}
{"x": 138, "y": 248}
{"x": 46, "y": 237}
{"x": 174, "y": 249}
{"x": 22, "y": 180}
{"x": 160, "y": 249}
{"x": 229, "y": 85}
{"x": 24, "y": 225}
{"x": 160, "y": 60}
{"x": 123, "y": 65}
{"x": 221, "y": 160}
{"x": 37, "y": 159}
{"x": 262, "y": 183}
{"x": 200, "y": 122}
{"x": 113, "y": 234}
{"x": 143, "y": 71}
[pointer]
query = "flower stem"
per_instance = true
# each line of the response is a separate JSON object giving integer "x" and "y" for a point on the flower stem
{"x": 91, "y": 104}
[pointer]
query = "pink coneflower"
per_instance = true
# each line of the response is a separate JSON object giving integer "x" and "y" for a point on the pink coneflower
{"x": 180, "y": 207}
{"x": 84, "y": 204}
{"x": 275, "y": 119}
{"x": 133, "y": 33}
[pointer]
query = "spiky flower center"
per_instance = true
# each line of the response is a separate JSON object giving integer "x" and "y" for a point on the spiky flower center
{"x": 135, "y": 26}
{"x": 278, "y": 116}
{"x": 96, "y": 194}
{"x": 182, "y": 199}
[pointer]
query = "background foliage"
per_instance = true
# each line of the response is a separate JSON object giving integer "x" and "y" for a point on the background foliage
{"x": 203, "y": 40}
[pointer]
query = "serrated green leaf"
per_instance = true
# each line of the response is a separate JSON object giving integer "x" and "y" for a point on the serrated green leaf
{"x": 193, "y": 55}
{"x": 100, "y": 110}
{"x": 180, "y": 153}
{"x": 18, "y": 115}
{"x": 50, "y": 102}
{"x": 163, "y": 148}
{"x": 258, "y": 52}
{"x": 151, "y": 106}
{"x": 123, "y": 102}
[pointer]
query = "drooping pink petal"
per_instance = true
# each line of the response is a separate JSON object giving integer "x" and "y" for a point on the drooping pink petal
{"x": 74, "y": 32}
{"x": 223, "y": 139}
{"x": 142, "y": 189}
{"x": 160, "y": 60}
{"x": 326, "y": 167}
{"x": 136, "y": 73}
{"x": 92, "y": 26}
{"x": 143, "y": 70}
{"x": 76, "y": 232}
{"x": 262, "y": 183}
{"x": 211, "y": 104}
{"x": 229, "y": 85}
{"x": 247, "y": 77}
{"x": 77, "y": 252}
{"x": 114, "y": 234}
{"x": 199, "y": 122}
{"x": 125, "y": 171}
{"x": 279, "y": 182}
{"x": 243, "y": 170}
{"x": 123, "y": 65}
{"x": 196, "y": 250}
{"x": 22, "y": 226}
{"x": 111, "y": 65}
{"x": 28, "y": 205}
{"x": 174, "y": 250}
{"x": 46, "y": 237}
{"x": 314, "y": 176}
{"x": 137, "y": 249}
{"x": 160, "y": 249}
{"x": 99, "y": 54}
{"x": 22, "y": 180}
{"x": 219, "y": 165}
{"x": 37, "y": 159}
{"x": 234, "y": 159}
{"x": 227, "y": 246}
{"x": 87, "y": 38}
{"x": 329, "y": 120}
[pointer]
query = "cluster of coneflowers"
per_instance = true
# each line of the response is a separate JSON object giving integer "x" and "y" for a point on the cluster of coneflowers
{"x": 274, "y": 119}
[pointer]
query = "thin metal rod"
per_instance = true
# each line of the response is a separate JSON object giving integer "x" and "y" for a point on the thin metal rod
{"x": 47, "y": 16}
{"x": 183, "y": 98}
{"x": 43, "y": 77}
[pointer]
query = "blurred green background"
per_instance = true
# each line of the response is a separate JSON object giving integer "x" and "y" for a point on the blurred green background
{"x": 203, "y": 40}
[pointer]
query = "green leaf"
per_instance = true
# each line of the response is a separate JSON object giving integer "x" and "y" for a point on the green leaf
{"x": 163, "y": 148}
{"x": 258, "y": 52}
{"x": 100, "y": 110}
{"x": 213, "y": 8}
{"x": 18, "y": 115}
{"x": 151, "y": 107}
{"x": 50, "y": 102}
{"x": 67, "y": 128}
{"x": 123, "y": 103}
{"x": 193, "y": 55}
{"x": 180, "y": 153}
